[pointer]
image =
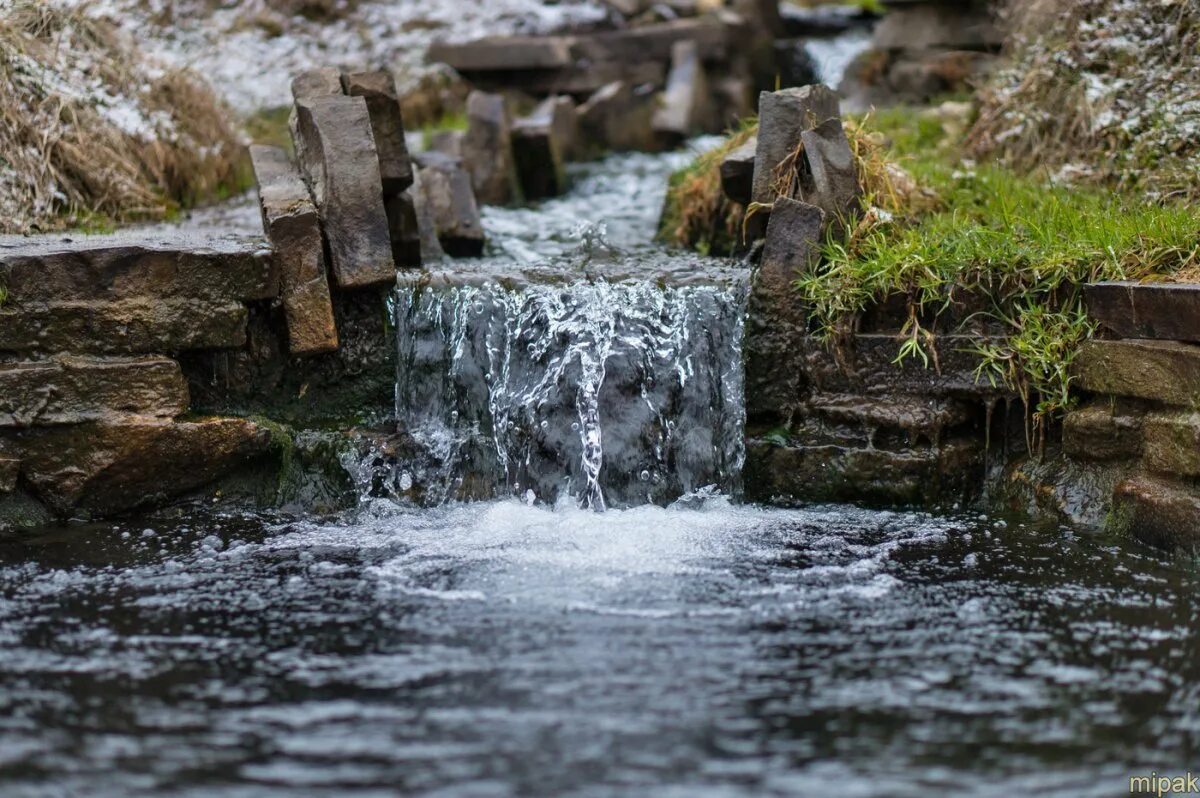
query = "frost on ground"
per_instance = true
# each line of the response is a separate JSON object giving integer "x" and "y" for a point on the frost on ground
{"x": 90, "y": 128}
{"x": 250, "y": 50}
{"x": 1100, "y": 89}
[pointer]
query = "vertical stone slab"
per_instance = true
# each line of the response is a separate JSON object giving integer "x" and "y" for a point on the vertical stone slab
{"x": 337, "y": 147}
{"x": 829, "y": 178}
{"x": 615, "y": 117}
{"x": 292, "y": 226}
{"x": 387, "y": 125}
{"x": 685, "y": 106}
{"x": 488, "y": 149}
{"x": 737, "y": 173}
{"x": 405, "y": 230}
{"x": 783, "y": 116}
{"x": 539, "y": 149}
{"x": 447, "y": 198}
{"x": 313, "y": 83}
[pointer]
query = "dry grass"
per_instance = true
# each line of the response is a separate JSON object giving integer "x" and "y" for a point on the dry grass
{"x": 1104, "y": 91}
{"x": 89, "y": 129}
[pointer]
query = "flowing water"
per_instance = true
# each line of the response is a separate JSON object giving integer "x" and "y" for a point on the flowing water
{"x": 526, "y": 644}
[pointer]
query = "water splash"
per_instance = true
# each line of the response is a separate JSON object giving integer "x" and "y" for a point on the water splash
{"x": 608, "y": 393}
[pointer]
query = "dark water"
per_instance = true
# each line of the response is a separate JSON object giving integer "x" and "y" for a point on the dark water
{"x": 499, "y": 649}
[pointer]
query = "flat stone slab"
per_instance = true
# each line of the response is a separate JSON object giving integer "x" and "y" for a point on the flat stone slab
{"x": 1102, "y": 431}
{"x": 1161, "y": 311}
{"x": 337, "y": 152}
{"x": 1161, "y": 371}
{"x": 1172, "y": 443}
{"x": 1158, "y": 512}
{"x": 74, "y": 390}
{"x": 150, "y": 263}
{"x": 105, "y": 468}
{"x": 131, "y": 326}
{"x": 294, "y": 229}
{"x": 505, "y": 53}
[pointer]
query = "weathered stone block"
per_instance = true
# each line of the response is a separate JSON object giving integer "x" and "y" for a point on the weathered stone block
{"x": 539, "y": 149}
{"x": 314, "y": 83}
{"x": 794, "y": 237}
{"x": 134, "y": 326}
{"x": 1161, "y": 311}
{"x": 1102, "y": 431}
{"x": 387, "y": 124}
{"x": 960, "y": 26}
{"x": 105, "y": 468}
{"x": 1172, "y": 443}
{"x": 342, "y": 167}
{"x": 73, "y": 390}
{"x": 654, "y": 42}
{"x": 828, "y": 178}
{"x": 918, "y": 416}
{"x": 1157, "y": 512}
{"x": 1161, "y": 371}
{"x": 616, "y": 118}
{"x": 294, "y": 229}
{"x": 783, "y": 116}
{"x": 505, "y": 54}
{"x": 488, "y": 149}
{"x": 685, "y": 108}
{"x": 447, "y": 198}
{"x": 737, "y": 172}
{"x": 405, "y": 231}
{"x": 135, "y": 265}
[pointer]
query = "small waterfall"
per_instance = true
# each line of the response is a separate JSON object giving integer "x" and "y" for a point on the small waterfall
{"x": 602, "y": 393}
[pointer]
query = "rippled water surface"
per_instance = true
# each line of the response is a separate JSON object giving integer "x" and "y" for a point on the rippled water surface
{"x": 501, "y": 649}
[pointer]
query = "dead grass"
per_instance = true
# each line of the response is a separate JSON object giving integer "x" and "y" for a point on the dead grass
{"x": 88, "y": 128}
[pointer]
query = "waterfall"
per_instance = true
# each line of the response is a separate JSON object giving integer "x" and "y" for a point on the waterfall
{"x": 600, "y": 393}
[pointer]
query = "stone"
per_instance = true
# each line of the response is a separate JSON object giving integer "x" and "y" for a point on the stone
{"x": 488, "y": 149}
{"x": 581, "y": 80}
{"x": 405, "y": 230}
{"x": 43, "y": 270}
{"x": 1172, "y": 443}
{"x": 796, "y": 66}
{"x": 540, "y": 150}
{"x": 294, "y": 230}
{"x": 447, "y": 198}
{"x": 73, "y": 390}
{"x": 710, "y": 36}
{"x": 794, "y": 237}
{"x": 828, "y": 178}
{"x": 448, "y": 142}
{"x": 313, "y": 83}
{"x": 133, "y": 326}
{"x": 920, "y": 417}
{"x": 1157, "y": 512}
{"x": 616, "y": 118}
{"x": 962, "y": 26}
{"x": 737, "y": 172}
{"x": 1162, "y": 311}
{"x": 342, "y": 167}
{"x": 564, "y": 124}
{"x": 378, "y": 88}
{"x": 783, "y": 116}
{"x": 505, "y": 54}
{"x": 108, "y": 467}
{"x": 10, "y": 468}
{"x": 685, "y": 107}
{"x": 1160, "y": 371}
{"x": 1102, "y": 431}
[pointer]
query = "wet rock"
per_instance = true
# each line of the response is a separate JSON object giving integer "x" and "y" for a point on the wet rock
{"x": 1157, "y": 512}
{"x": 405, "y": 230}
{"x": 737, "y": 172}
{"x": 685, "y": 108}
{"x": 9, "y": 469}
{"x": 539, "y": 153}
{"x": 866, "y": 364}
{"x": 73, "y": 390}
{"x": 959, "y": 26}
{"x": 616, "y": 118}
{"x": 314, "y": 83}
{"x": 793, "y": 246}
{"x": 828, "y": 178}
{"x": 1103, "y": 431}
{"x": 1172, "y": 443}
{"x": 796, "y": 66}
{"x": 338, "y": 155}
{"x": 135, "y": 265}
{"x": 105, "y": 468}
{"x": 505, "y": 54}
{"x": 387, "y": 125}
{"x": 488, "y": 149}
{"x": 294, "y": 229}
{"x": 1161, "y": 311}
{"x": 1161, "y": 371}
{"x": 431, "y": 248}
{"x": 449, "y": 201}
{"x": 783, "y": 116}
{"x": 132, "y": 326}
{"x": 921, "y": 417}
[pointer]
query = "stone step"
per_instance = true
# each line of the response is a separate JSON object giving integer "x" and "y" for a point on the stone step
{"x": 1157, "y": 512}
{"x": 109, "y": 467}
{"x": 1172, "y": 443}
{"x": 911, "y": 413}
{"x": 1103, "y": 431}
{"x": 1161, "y": 311}
{"x": 74, "y": 390}
{"x": 135, "y": 326}
{"x": 1160, "y": 371}
{"x": 158, "y": 264}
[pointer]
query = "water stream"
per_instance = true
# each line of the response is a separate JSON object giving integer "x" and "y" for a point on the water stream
{"x": 526, "y": 645}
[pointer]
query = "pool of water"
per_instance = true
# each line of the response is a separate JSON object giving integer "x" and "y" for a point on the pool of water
{"x": 499, "y": 649}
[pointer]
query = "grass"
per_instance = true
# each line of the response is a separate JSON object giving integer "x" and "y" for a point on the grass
{"x": 452, "y": 121}
{"x": 697, "y": 214}
{"x": 1021, "y": 247}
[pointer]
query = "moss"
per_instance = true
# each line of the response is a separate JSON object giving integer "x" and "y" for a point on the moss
{"x": 453, "y": 121}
